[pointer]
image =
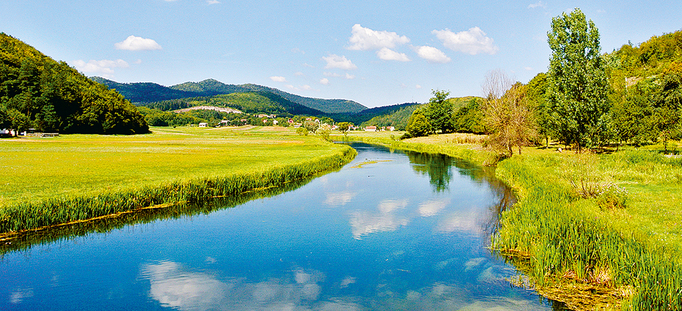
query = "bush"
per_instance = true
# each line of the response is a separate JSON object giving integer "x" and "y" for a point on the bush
{"x": 302, "y": 131}
{"x": 611, "y": 197}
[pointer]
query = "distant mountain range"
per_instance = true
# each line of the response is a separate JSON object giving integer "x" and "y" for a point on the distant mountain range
{"x": 145, "y": 92}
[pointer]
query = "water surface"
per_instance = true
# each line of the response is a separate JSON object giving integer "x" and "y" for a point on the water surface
{"x": 389, "y": 231}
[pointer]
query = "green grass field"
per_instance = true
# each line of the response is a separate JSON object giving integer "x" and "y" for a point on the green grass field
{"x": 33, "y": 169}
{"x": 45, "y": 181}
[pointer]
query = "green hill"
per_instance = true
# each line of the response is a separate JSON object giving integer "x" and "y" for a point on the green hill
{"x": 38, "y": 92}
{"x": 398, "y": 115}
{"x": 152, "y": 92}
{"x": 249, "y": 102}
{"x": 381, "y": 116}
{"x": 145, "y": 92}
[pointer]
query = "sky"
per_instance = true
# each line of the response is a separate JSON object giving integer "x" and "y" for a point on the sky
{"x": 377, "y": 53}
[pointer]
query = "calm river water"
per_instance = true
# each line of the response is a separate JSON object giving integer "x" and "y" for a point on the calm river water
{"x": 389, "y": 231}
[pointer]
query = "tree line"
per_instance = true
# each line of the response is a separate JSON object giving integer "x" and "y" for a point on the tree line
{"x": 39, "y": 92}
{"x": 586, "y": 99}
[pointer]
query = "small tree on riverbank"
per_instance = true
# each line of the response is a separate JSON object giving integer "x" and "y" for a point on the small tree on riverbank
{"x": 344, "y": 127}
{"x": 506, "y": 114}
{"x": 418, "y": 125}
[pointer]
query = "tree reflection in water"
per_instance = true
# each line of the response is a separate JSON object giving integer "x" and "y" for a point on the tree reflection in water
{"x": 439, "y": 169}
{"x": 436, "y": 166}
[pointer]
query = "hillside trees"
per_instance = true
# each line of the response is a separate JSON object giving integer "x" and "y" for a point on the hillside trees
{"x": 38, "y": 92}
{"x": 576, "y": 85}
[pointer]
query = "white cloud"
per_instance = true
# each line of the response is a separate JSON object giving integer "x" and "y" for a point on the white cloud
{"x": 432, "y": 55}
{"x": 331, "y": 74}
{"x": 528, "y": 68}
{"x": 278, "y": 79}
{"x": 367, "y": 39}
{"x": 299, "y": 74}
{"x": 100, "y": 67}
{"x": 212, "y": 2}
{"x": 418, "y": 86}
{"x": 306, "y": 87}
{"x": 540, "y": 4}
{"x": 350, "y": 76}
{"x": 473, "y": 41}
{"x": 324, "y": 81}
{"x": 388, "y": 54}
{"x": 133, "y": 43}
{"x": 340, "y": 62}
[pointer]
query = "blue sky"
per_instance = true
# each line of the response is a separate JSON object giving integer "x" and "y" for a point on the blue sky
{"x": 375, "y": 52}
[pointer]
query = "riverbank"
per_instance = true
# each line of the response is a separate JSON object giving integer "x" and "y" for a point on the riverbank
{"x": 593, "y": 231}
{"x": 72, "y": 178}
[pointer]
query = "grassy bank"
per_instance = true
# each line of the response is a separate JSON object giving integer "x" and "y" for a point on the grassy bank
{"x": 593, "y": 231}
{"x": 77, "y": 177}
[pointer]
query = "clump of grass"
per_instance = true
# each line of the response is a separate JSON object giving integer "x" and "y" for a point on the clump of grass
{"x": 612, "y": 197}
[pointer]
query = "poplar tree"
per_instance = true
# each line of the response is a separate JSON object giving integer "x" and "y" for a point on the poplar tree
{"x": 577, "y": 84}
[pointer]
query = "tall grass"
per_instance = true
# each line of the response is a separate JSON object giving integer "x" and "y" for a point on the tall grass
{"x": 571, "y": 240}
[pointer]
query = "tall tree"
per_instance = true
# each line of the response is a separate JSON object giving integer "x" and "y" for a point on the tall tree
{"x": 439, "y": 112}
{"x": 576, "y": 83}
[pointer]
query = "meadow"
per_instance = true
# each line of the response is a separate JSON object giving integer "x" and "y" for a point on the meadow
{"x": 48, "y": 181}
{"x": 595, "y": 231}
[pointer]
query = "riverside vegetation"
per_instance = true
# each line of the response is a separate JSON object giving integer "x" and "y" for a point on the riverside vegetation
{"x": 79, "y": 177}
{"x": 595, "y": 231}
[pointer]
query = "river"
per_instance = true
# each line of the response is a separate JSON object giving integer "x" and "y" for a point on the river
{"x": 392, "y": 230}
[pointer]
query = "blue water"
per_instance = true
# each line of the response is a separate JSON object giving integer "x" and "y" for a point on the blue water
{"x": 404, "y": 231}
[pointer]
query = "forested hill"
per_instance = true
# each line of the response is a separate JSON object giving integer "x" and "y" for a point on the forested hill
{"x": 152, "y": 92}
{"x": 249, "y": 102}
{"x": 38, "y": 92}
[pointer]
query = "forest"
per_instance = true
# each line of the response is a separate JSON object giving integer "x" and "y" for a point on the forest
{"x": 37, "y": 92}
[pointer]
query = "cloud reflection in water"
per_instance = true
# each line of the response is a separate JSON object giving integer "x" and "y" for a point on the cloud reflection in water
{"x": 173, "y": 286}
{"x": 364, "y": 223}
